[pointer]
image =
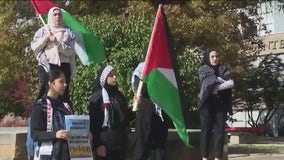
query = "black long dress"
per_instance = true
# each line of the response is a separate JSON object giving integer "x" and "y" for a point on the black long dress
{"x": 115, "y": 137}
{"x": 150, "y": 132}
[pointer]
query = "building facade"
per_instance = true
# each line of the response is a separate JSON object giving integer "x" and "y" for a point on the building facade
{"x": 271, "y": 30}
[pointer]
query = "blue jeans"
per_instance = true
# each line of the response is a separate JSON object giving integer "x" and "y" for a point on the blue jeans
{"x": 30, "y": 143}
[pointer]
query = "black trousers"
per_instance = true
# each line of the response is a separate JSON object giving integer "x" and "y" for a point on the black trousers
{"x": 43, "y": 78}
{"x": 212, "y": 127}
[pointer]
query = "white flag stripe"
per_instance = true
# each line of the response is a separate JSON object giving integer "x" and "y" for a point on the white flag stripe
{"x": 80, "y": 48}
{"x": 169, "y": 74}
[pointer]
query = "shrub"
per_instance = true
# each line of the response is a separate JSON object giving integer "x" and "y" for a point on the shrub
{"x": 10, "y": 120}
{"x": 123, "y": 39}
{"x": 21, "y": 94}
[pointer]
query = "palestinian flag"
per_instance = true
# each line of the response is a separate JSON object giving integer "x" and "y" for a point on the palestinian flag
{"x": 158, "y": 73}
{"x": 87, "y": 46}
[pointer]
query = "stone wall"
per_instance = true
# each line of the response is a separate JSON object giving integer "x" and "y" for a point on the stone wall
{"x": 176, "y": 149}
{"x": 13, "y": 145}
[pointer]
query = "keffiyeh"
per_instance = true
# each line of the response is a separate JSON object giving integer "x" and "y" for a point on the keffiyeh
{"x": 106, "y": 99}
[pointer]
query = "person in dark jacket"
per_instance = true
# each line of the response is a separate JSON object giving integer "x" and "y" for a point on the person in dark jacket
{"x": 151, "y": 129}
{"x": 214, "y": 104}
{"x": 47, "y": 120}
{"x": 108, "y": 117}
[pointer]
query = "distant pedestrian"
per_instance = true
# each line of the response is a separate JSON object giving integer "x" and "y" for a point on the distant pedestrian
{"x": 215, "y": 102}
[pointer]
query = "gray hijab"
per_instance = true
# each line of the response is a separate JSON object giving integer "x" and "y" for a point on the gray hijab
{"x": 137, "y": 72}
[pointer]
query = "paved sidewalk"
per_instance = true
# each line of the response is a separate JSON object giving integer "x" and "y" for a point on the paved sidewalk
{"x": 259, "y": 156}
{"x": 266, "y": 149}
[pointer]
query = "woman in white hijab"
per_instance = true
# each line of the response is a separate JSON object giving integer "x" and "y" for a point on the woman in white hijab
{"x": 53, "y": 45}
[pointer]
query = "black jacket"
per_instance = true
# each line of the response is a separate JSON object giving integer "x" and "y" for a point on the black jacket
{"x": 223, "y": 100}
{"x": 39, "y": 127}
{"x": 116, "y": 136}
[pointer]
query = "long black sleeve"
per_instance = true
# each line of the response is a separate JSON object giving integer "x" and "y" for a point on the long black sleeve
{"x": 39, "y": 125}
{"x": 96, "y": 119}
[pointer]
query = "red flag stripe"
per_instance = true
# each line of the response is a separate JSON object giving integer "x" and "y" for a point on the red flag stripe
{"x": 42, "y": 6}
{"x": 158, "y": 48}
{"x": 159, "y": 75}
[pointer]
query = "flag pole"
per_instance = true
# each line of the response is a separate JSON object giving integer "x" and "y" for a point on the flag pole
{"x": 42, "y": 21}
{"x": 138, "y": 93}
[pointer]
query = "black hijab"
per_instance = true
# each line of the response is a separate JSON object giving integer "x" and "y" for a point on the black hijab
{"x": 206, "y": 61}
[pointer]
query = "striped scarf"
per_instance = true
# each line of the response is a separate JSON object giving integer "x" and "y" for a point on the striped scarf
{"x": 106, "y": 99}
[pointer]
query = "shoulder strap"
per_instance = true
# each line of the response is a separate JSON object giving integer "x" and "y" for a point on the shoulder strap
{"x": 42, "y": 102}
